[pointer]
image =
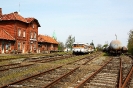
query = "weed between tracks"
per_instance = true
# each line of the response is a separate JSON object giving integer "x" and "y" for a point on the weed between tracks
{"x": 65, "y": 61}
{"x": 18, "y": 56}
{"x": 14, "y": 76}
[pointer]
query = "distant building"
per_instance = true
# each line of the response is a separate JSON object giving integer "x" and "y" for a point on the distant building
{"x": 47, "y": 44}
{"x": 18, "y": 34}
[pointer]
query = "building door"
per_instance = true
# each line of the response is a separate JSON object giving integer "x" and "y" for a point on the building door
{"x": 39, "y": 50}
{"x": 23, "y": 48}
{"x": 3, "y": 46}
{"x": 30, "y": 47}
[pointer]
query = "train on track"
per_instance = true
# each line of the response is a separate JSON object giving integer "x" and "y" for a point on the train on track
{"x": 82, "y": 48}
{"x": 115, "y": 48}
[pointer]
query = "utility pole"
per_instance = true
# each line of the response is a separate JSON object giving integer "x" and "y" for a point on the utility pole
{"x": 116, "y": 36}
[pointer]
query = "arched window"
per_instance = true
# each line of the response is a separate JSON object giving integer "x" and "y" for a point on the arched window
{"x": 23, "y": 33}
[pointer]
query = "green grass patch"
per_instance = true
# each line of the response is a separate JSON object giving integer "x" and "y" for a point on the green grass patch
{"x": 25, "y": 73}
{"x": 18, "y": 56}
{"x": 65, "y": 61}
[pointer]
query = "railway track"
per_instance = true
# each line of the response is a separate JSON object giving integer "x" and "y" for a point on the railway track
{"x": 86, "y": 72}
{"x": 44, "y": 79}
{"x": 112, "y": 75}
{"x": 23, "y": 66}
{"x": 48, "y": 59}
{"x": 13, "y": 66}
{"x": 106, "y": 78}
{"x": 127, "y": 79}
{"x": 128, "y": 83}
{"x": 71, "y": 66}
{"x": 29, "y": 62}
{"x": 85, "y": 60}
{"x": 74, "y": 79}
{"x": 56, "y": 58}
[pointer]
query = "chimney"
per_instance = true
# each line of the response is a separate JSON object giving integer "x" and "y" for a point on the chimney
{"x": 16, "y": 12}
{"x": 0, "y": 12}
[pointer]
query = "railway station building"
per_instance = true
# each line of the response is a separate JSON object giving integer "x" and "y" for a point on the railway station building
{"x": 47, "y": 44}
{"x": 18, "y": 34}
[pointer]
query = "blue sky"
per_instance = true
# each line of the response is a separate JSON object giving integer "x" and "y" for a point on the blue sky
{"x": 87, "y": 20}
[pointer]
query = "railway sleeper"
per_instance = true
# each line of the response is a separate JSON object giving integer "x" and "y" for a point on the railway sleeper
{"x": 107, "y": 76}
{"x": 105, "y": 79}
{"x": 110, "y": 71}
{"x": 100, "y": 85}
{"x": 111, "y": 82}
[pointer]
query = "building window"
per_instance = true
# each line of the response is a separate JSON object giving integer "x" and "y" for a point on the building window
{"x": 35, "y": 46}
{"x": 23, "y": 33}
{"x": 19, "y": 32}
{"x": 31, "y": 35}
{"x": 30, "y": 47}
{"x": 8, "y": 46}
{"x": 35, "y": 35}
{"x": 32, "y": 25}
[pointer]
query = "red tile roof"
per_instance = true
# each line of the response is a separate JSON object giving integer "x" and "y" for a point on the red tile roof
{"x": 48, "y": 39}
{"x": 16, "y": 16}
{"x": 5, "y": 35}
{"x": 29, "y": 19}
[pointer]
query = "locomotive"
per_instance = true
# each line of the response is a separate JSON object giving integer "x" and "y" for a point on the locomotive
{"x": 82, "y": 48}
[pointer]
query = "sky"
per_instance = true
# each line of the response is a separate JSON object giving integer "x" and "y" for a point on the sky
{"x": 86, "y": 20}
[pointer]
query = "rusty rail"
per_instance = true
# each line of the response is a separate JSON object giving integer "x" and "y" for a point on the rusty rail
{"x": 88, "y": 61}
{"x": 10, "y": 64}
{"x": 57, "y": 80}
{"x": 79, "y": 60}
{"x": 53, "y": 59}
{"x": 16, "y": 67}
{"x": 29, "y": 77}
{"x": 120, "y": 74}
{"x": 85, "y": 81}
{"x": 127, "y": 78}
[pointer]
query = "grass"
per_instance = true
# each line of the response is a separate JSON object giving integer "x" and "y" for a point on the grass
{"x": 13, "y": 76}
{"x": 105, "y": 54}
{"x": 25, "y": 73}
{"x": 65, "y": 61}
{"x": 18, "y": 56}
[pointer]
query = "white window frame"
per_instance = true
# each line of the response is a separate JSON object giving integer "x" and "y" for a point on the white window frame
{"x": 19, "y": 32}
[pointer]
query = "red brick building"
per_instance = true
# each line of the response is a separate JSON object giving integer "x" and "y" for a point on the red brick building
{"x": 18, "y": 34}
{"x": 47, "y": 43}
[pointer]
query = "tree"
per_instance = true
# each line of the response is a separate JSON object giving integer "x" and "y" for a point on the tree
{"x": 70, "y": 42}
{"x": 92, "y": 44}
{"x": 130, "y": 42}
{"x": 105, "y": 45}
{"x": 99, "y": 47}
{"x": 61, "y": 46}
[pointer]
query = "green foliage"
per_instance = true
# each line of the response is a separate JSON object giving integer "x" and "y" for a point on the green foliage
{"x": 132, "y": 51}
{"x": 99, "y": 47}
{"x": 61, "y": 46}
{"x": 92, "y": 44}
{"x": 130, "y": 42}
{"x": 105, "y": 45}
{"x": 70, "y": 41}
{"x": 105, "y": 54}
